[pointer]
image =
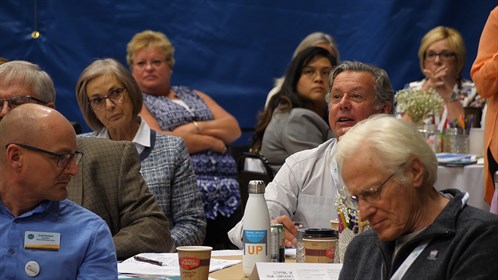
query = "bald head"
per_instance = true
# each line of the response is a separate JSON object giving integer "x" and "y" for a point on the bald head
{"x": 36, "y": 124}
{"x": 37, "y": 157}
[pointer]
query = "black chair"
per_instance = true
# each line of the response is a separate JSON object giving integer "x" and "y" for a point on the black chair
{"x": 252, "y": 166}
{"x": 77, "y": 127}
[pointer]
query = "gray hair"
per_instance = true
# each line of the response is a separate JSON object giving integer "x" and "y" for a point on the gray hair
{"x": 393, "y": 140}
{"x": 315, "y": 38}
{"x": 30, "y": 76}
{"x": 312, "y": 40}
{"x": 99, "y": 68}
{"x": 384, "y": 92}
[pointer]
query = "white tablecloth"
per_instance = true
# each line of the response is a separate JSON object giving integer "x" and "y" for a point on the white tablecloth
{"x": 469, "y": 179}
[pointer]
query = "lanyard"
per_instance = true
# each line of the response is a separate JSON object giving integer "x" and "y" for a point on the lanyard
{"x": 398, "y": 275}
{"x": 408, "y": 261}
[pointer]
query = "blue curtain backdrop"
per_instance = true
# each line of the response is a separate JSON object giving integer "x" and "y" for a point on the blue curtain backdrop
{"x": 229, "y": 49}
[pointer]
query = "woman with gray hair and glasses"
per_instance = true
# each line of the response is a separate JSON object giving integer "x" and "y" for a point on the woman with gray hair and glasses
{"x": 110, "y": 100}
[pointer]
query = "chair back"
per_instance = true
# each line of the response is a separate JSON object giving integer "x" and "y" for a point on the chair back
{"x": 252, "y": 166}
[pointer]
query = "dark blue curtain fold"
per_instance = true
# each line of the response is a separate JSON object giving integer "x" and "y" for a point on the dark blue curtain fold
{"x": 231, "y": 50}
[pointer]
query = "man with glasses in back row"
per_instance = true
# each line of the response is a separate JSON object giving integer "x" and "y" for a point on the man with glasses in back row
{"x": 417, "y": 231}
{"x": 109, "y": 182}
{"x": 40, "y": 237}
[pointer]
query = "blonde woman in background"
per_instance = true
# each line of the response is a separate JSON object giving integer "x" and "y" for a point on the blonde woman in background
{"x": 442, "y": 58}
{"x": 315, "y": 39}
{"x": 204, "y": 125}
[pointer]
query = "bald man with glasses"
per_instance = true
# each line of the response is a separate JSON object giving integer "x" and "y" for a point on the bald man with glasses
{"x": 109, "y": 182}
{"x": 37, "y": 223}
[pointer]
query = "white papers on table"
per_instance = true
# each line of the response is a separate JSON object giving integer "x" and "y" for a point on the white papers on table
{"x": 224, "y": 253}
{"x": 297, "y": 271}
{"x": 170, "y": 265}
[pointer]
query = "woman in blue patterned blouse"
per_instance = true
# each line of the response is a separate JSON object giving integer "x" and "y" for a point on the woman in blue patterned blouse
{"x": 110, "y": 100}
{"x": 204, "y": 125}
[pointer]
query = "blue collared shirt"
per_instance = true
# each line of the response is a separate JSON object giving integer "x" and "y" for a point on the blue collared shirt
{"x": 86, "y": 248}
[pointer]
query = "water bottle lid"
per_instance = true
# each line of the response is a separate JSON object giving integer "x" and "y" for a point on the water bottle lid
{"x": 256, "y": 186}
{"x": 320, "y": 233}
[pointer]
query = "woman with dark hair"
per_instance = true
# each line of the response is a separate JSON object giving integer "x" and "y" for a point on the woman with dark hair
{"x": 295, "y": 118}
{"x": 315, "y": 39}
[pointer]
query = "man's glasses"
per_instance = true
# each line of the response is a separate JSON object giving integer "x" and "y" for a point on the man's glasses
{"x": 62, "y": 159}
{"x": 370, "y": 195}
{"x": 19, "y": 100}
{"x": 443, "y": 56}
{"x": 115, "y": 95}
{"x": 156, "y": 63}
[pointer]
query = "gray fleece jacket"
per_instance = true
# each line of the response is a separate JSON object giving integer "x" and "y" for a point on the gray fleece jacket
{"x": 463, "y": 244}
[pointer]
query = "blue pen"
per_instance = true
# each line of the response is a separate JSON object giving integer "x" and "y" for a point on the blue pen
{"x": 470, "y": 123}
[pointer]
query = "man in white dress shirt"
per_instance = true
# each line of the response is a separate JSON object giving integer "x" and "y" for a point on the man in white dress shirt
{"x": 305, "y": 188}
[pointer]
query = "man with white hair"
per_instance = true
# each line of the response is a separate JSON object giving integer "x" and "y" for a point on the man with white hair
{"x": 417, "y": 231}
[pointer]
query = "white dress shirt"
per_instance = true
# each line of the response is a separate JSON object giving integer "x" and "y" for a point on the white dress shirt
{"x": 304, "y": 189}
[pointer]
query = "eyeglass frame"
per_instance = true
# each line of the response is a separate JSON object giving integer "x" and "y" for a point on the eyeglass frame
{"x": 443, "y": 56}
{"x": 155, "y": 63}
{"x": 369, "y": 195}
{"x": 76, "y": 156}
{"x": 99, "y": 107}
{"x": 28, "y": 97}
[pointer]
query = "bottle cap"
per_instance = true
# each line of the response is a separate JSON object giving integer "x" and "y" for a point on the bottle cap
{"x": 320, "y": 233}
{"x": 300, "y": 235}
{"x": 256, "y": 186}
{"x": 496, "y": 177}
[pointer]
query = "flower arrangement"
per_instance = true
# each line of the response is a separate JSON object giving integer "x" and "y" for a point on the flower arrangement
{"x": 418, "y": 104}
{"x": 348, "y": 217}
{"x": 349, "y": 223}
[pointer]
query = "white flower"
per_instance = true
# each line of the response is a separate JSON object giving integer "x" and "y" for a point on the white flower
{"x": 418, "y": 104}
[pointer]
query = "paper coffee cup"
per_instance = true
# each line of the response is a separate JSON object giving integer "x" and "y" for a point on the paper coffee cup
{"x": 194, "y": 262}
{"x": 320, "y": 245}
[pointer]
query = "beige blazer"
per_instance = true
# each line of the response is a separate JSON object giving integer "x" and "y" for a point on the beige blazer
{"x": 109, "y": 184}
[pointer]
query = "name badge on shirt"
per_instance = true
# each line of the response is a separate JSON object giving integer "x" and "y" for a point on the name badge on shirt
{"x": 42, "y": 240}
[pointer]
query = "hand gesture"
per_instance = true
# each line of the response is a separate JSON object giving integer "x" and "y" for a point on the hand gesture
{"x": 439, "y": 81}
{"x": 290, "y": 229}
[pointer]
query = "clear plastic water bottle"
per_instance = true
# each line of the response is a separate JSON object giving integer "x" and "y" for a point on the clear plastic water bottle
{"x": 432, "y": 137}
{"x": 256, "y": 228}
{"x": 300, "y": 254}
